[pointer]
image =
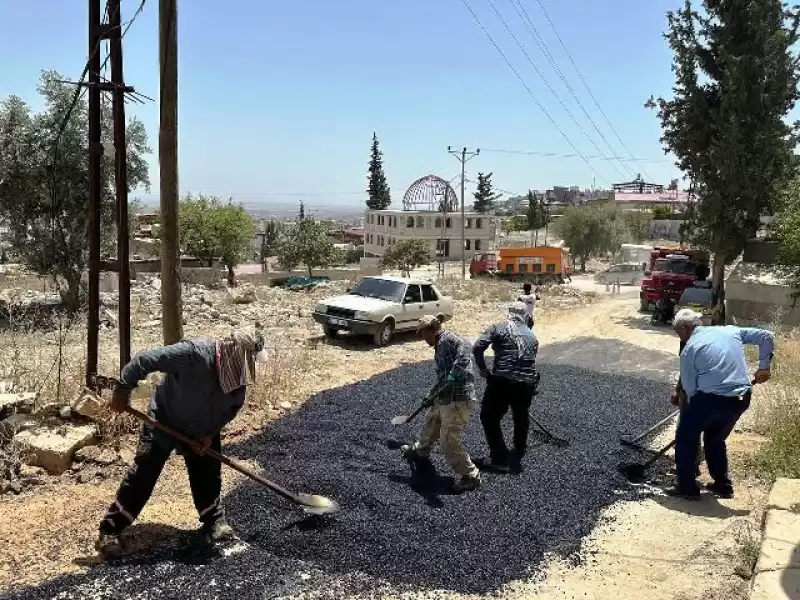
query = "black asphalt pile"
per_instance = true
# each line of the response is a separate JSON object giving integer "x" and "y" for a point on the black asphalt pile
{"x": 395, "y": 535}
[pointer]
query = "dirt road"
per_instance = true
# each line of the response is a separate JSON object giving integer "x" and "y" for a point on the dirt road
{"x": 643, "y": 545}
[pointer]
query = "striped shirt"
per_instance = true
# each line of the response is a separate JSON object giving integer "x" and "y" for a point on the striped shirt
{"x": 453, "y": 357}
{"x": 515, "y": 348}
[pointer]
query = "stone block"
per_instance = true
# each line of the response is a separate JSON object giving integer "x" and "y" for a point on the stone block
{"x": 780, "y": 547}
{"x": 785, "y": 494}
{"x": 54, "y": 450}
{"x": 776, "y": 585}
{"x": 11, "y": 403}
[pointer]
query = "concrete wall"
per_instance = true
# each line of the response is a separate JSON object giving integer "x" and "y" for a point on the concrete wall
{"x": 275, "y": 277}
{"x": 665, "y": 229}
{"x": 756, "y": 293}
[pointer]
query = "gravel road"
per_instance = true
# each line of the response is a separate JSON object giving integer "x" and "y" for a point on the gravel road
{"x": 396, "y": 535}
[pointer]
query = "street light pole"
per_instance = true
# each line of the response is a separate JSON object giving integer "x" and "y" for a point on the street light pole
{"x": 464, "y": 155}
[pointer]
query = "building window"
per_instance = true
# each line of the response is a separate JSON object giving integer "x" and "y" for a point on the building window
{"x": 420, "y": 222}
{"x": 537, "y": 268}
{"x": 509, "y": 267}
{"x": 410, "y": 223}
{"x": 438, "y": 223}
{"x": 477, "y": 244}
{"x": 449, "y": 223}
{"x": 466, "y": 244}
{"x": 468, "y": 224}
{"x": 523, "y": 268}
{"x": 551, "y": 268}
{"x": 478, "y": 223}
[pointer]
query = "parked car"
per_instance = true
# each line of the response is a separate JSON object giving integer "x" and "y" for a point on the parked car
{"x": 701, "y": 299}
{"x": 381, "y": 306}
{"x": 627, "y": 273}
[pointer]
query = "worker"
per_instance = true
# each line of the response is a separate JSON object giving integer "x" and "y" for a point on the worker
{"x": 529, "y": 300}
{"x": 453, "y": 397}
{"x": 511, "y": 384}
{"x": 715, "y": 378}
{"x": 203, "y": 389}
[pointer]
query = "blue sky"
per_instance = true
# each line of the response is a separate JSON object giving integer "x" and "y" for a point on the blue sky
{"x": 283, "y": 97}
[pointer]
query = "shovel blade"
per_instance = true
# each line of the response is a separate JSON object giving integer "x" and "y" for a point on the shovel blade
{"x": 634, "y": 472}
{"x": 318, "y": 505}
{"x": 400, "y": 420}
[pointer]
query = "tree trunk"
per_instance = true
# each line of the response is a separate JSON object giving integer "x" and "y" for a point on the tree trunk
{"x": 71, "y": 297}
{"x": 210, "y": 262}
{"x": 310, "y": 274}
{"x": 583, "y": 264}
{"x": 719, "y": 283}
{"x": 231, "y": 277}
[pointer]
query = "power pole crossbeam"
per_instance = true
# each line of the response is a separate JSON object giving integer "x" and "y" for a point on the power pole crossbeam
{"x": 464, "y": 155}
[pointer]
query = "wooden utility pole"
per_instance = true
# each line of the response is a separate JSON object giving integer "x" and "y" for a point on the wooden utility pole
{"x": 463, "y": 157}
{"x": 168, "y": 163}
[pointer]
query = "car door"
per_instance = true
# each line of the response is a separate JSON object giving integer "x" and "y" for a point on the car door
{"x": 412, "y": 308}
{"x": 431, "y": 303}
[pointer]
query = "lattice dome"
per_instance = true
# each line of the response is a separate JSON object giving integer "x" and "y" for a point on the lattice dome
{"x": 430, "y": 193}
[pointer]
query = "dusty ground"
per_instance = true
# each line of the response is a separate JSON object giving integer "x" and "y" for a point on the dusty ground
{"x": 654, "y": 548}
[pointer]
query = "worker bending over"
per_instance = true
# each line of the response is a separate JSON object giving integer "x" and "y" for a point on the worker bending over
{"x": 203, "y": 389}
{"x": 511, "y": 384}
{"x": 453, "y": 397}
{"x": 716, "y": 380}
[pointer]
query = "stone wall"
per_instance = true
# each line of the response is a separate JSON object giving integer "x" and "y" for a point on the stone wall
{"x": 757, "y": 293}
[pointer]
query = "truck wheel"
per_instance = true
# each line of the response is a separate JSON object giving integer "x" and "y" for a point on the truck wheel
{"x": 644, "y": 304}
{"x": 384, "y": 334}
{"x": 330, "y": 332}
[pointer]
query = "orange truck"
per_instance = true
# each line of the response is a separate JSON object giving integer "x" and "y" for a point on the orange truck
{"x": 538, "y": 264}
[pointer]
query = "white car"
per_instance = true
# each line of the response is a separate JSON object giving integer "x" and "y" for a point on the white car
{"x": 625, "y": 273}
{"x": 379, "y": 306}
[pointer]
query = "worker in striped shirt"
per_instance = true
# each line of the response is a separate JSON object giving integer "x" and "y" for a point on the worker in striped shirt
{"x": 511, "y": 384}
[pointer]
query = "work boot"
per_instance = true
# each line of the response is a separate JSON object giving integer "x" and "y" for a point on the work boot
{"x": 515, "y": 463}
{"x": 719, "y": 490}
{"x": 109, "y": 545}
{"x": 410, "y": 452}
{"x": 219, "y": 531}
{"x": 466, "y": 483}
{"x": 676, "y": 492}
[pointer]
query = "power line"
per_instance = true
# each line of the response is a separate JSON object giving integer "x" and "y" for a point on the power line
{"x": 530, "y": 92}
{"x": 519, "y": 7}
{"x": 563, "y": 155}
{"x": 586, "y": 85}
{"x": 547, "y": 83}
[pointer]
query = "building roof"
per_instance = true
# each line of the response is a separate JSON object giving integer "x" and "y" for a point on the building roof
{"x": 433, "y": 213}
{"x": 654, "y": 198}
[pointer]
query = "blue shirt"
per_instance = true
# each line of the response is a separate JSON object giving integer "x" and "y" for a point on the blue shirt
{"x": 713, "y": 359}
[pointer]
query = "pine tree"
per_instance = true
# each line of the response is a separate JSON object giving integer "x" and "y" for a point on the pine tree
{"x": 301, "y": 216}
{"x": 736, "y": 80}
{"x": 379, "y": 194}
{"x": 484, "y": 195}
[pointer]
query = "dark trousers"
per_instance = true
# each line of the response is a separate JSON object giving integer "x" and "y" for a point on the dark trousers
{"x": 205, "y": 481}
{"x": 529, "y": 321}
{"x": 713, "y": 417}
{"x": 501, "y": 395}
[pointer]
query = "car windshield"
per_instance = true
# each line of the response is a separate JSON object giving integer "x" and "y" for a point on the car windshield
{"x": 702, "y": 297}
{"x": 671, "y": 265}
{"x": 385, "y": 289}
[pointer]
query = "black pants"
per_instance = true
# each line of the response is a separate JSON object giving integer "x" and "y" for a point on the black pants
{"x": 529, "y": 321}
{"x": 500, "y": 396}
{"x": 713, "y": 417}
{"x": 205, "y": 480}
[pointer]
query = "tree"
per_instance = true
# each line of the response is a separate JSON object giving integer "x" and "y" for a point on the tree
{"x": 379, "y": 194}
{"x": 536, "y": 215}
{"x": 407, "y": 255}
{"x": 736, "y": 79}
{"x": 787, "y": 227}
{"x": 638, "y": 224}
{"x": 591, "y": 231}
{"x": 301, "y": 215}
{"x": 269, "y": 240}
{"x": 44, "y": 186}
{"x": 198, "y": 234}
{"x": 484, "y": 195}
{"x": 233, "y": 233}
{"x": 307, "y": 244}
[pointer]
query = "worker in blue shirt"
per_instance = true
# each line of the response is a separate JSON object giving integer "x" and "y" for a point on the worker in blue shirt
{"x": 716, "y": 380}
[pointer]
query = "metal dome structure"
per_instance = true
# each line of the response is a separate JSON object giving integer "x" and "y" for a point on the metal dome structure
{"x": 430, "y": 193}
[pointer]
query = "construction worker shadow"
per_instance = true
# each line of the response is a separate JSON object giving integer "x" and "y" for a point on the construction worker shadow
{"x": 362, "y": 343}
{"x": 790, "y": 577}
{"x": 642, "y": 322}
{"x": 707, "y": 507}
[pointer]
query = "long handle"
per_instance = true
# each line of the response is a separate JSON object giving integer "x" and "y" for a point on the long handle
{"x": 418, "y": 410}
{"x": 281, "y": 491}
{"x": 658, "y": 455}
{"x": 654, "y": 427}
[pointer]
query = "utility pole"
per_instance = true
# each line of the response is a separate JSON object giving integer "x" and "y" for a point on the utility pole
{"x": 168, "y": 162}
{"x": 95, "y": 187}
{"x": 463, "y": 156}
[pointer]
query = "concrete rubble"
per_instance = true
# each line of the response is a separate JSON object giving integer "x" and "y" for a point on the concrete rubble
{"x": 53, "y": 449}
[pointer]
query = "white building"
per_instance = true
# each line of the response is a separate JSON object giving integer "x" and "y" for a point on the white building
{"x": 382, "y": 228}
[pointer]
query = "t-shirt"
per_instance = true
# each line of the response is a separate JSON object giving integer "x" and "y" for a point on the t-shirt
{"x": 529, "y": 300}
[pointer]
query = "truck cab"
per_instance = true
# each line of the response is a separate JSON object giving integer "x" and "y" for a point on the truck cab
{"x": 671, "y": 270}
{"x": 483, "y": 264}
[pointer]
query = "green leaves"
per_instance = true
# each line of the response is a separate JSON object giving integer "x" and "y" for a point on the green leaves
{"x": 307, "y": 244}
{"x": 589, "y": 231}
{"x": 484, "y": 195}
{"x": 407, "y": 255}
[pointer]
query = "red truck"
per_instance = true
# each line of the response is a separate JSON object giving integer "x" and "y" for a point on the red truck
{"x": 671, "y": 270}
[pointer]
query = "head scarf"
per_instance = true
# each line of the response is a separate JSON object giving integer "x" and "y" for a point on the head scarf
{"x": 236, "y": 359}
{"x": 519, "y": 332}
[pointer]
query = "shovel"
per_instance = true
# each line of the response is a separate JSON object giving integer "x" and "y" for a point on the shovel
{"x": 311, "y": 503}
{"x": 636, "y": 472}
{"x": 426, "y": 403}
{"x": 634, "y": 442}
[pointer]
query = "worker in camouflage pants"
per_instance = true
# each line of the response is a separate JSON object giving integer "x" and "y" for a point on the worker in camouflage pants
{"x": 453, "y": 398}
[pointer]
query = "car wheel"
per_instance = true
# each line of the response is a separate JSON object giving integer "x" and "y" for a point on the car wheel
{"x": 384, "y": 333}
{"x": 330, "y": 332}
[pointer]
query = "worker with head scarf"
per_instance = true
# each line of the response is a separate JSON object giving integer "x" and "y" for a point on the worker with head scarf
{"x": 202, "y": 390}
{"x": 511, "y": 385}
{"x": 451, "y": 400}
